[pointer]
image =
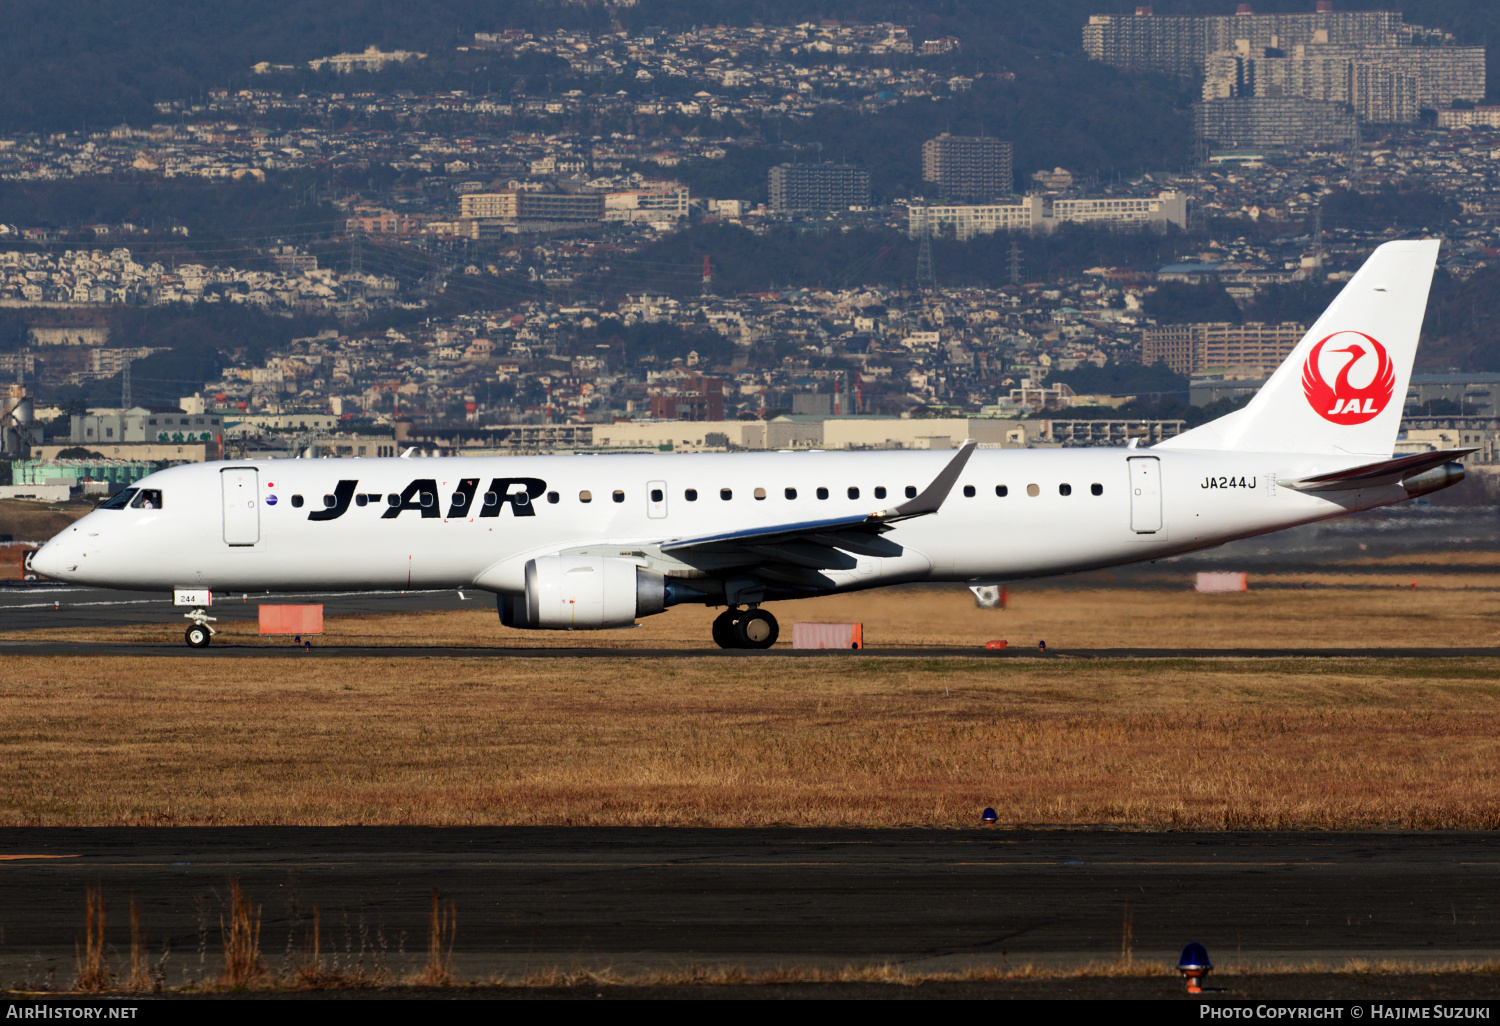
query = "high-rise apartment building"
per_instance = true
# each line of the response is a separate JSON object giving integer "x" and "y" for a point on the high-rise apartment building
{"x": 813, "y": 187}
{"x": 1275, "y": 122}
{"x": 1193, "y": 348}
{"x": 1178, "y": 45}
{"x": 968, "y": 167}
{"x": 1385, "y": 84}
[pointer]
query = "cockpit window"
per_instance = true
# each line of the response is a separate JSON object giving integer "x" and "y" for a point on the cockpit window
{"x": 120, "y": 499}
{"x": 149, "y": 498}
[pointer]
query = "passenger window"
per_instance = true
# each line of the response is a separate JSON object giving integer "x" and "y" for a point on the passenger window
{"x": 491, "y": 499}
{"x": 553, "y": 498}
{"x": 297, "y": 501}
{"x": 619, "y": 496}
{"x": 791, "y": 493}
{"x": 428, "y": 498}
{"x": 656, "y": 495}
{"x": 725, "y": 494}
{"x": 880, "y": 491}
{"x": 582, "y": 496}
{"x": 691, "y": 495}
{"x": 853, "y": 493}
{"x": 395, "y": 500}
{"x": 1065, "y": 489}
{"x": 359, "y": 500}
{"x": 760, "y": 493}
{"x": 1002, "y": 491}
{"x": 1033, "y": 490}
{"x": 822, "y": 493}
{"x": 1097, "y": 489}
{"x": 329, "y": 502}
{"x": 968, "y": 491}
{"x": 911, "y": 491}
{"x": 121, "y": 500}
{"x": 149, "y": 498}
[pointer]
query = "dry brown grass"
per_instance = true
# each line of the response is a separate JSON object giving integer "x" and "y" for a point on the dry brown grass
{"x": 835, "y": 740}
{"x": 26, "y": 520}
{"x": 441, "y": 927}
{"x": 243, "y": 965}
{"x": 1383, "y": 612}
{"x": 94, "y": 974}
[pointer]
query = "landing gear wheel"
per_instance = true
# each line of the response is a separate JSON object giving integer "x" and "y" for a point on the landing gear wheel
{"x": 723, "y": 629}
{"x": 197, "y": 636}
{"x": 756, "y": 629}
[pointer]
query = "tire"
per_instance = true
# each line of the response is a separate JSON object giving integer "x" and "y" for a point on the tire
{"x": 197, "y": 637}
{"x": 756, "y": 629}
{"x": 723, "y": 629}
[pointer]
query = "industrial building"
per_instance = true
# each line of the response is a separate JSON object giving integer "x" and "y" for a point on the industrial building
{"x": 818, "y": 187}
{"x": 968, "y": 167}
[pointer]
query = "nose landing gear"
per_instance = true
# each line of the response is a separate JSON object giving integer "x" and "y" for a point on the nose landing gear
{"x": 745, "y": 628}
{"x": 200, "y": 632}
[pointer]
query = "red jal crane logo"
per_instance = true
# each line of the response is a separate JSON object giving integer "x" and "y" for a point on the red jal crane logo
{"x": 1343, "y": 402}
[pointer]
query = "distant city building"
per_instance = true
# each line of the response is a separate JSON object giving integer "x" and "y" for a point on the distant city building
{"x": 1480, "y": 117}
{"x": 498, "y": 205}
{"x": 1285, "y": 122}
{"x": 818, "y": 187}
{"x": 560, "y": 207}
{"x": 1385, "y": 84}
{"x": 1193, "y": 348}
{"x": 968, "y": 167}
{"x": 695, "y": 398}
{"x": 372, "y": 59}
{"x": 1179, "y": 45}
{"x": 660, "y": 201}
{"x": 964, "y": 221}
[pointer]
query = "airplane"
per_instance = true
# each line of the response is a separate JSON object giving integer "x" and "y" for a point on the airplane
{"x": 585, "y": 542}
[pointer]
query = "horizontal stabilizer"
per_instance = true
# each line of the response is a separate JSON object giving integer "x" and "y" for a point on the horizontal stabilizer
{"x": 1372, "y": 475}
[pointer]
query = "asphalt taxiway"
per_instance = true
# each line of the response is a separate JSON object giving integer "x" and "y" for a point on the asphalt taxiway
{"x": 638, "y": 900}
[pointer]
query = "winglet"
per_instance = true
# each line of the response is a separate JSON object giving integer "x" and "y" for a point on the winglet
{"x": 931, "y": 497}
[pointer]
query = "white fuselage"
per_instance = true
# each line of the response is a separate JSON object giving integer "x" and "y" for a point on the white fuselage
{"x": 201, "y": 537}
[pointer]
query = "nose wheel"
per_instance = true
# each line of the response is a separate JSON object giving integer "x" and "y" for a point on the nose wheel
{"x": 199, "y": 633}
{"x": 745, "y": 628}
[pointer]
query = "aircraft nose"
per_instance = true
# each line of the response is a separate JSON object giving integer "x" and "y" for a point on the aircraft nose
{"x": 48, "y": 560}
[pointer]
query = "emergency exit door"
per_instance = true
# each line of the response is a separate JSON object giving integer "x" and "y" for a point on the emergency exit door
{"x": 241, "y": 487}
{"x": 1145, "y": 494}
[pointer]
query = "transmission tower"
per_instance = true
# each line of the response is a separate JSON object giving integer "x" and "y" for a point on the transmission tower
{"x": 125, "y": 386}
{"x": 356, "y": 263}
{"x": 708, "y": 276}
{"x": 1015, "y": 262}
{"x": 926, "y": 277}
{"x": 1354, "y": 158}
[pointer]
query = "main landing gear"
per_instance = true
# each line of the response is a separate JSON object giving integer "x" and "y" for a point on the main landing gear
{"x": 745, "y": 628}
{"x": 200, "y": 632}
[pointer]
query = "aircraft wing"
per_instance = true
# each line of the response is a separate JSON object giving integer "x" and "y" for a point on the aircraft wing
{"x": 1383, "y": 472}
{"x": 789, "y": 550}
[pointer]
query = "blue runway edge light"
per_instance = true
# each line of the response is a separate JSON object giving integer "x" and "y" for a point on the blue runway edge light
{"x": 989, "y": 816}
{"x": 1194, "y": 956}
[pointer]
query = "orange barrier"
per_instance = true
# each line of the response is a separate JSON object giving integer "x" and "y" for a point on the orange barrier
{"x": 828, "y": 635}
{"x": 1214, "y": 583}
{"x": 291, "y": 619}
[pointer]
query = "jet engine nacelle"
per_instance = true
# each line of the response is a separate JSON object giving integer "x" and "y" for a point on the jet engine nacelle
{"x": 567, "y": 593}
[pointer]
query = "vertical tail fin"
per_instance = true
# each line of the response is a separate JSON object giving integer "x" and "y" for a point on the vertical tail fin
{"x": 1343, "y": 388}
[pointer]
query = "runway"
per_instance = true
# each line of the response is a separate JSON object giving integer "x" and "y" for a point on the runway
{"x": 643, "y": 899}
{"x": 320, "y": 650}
